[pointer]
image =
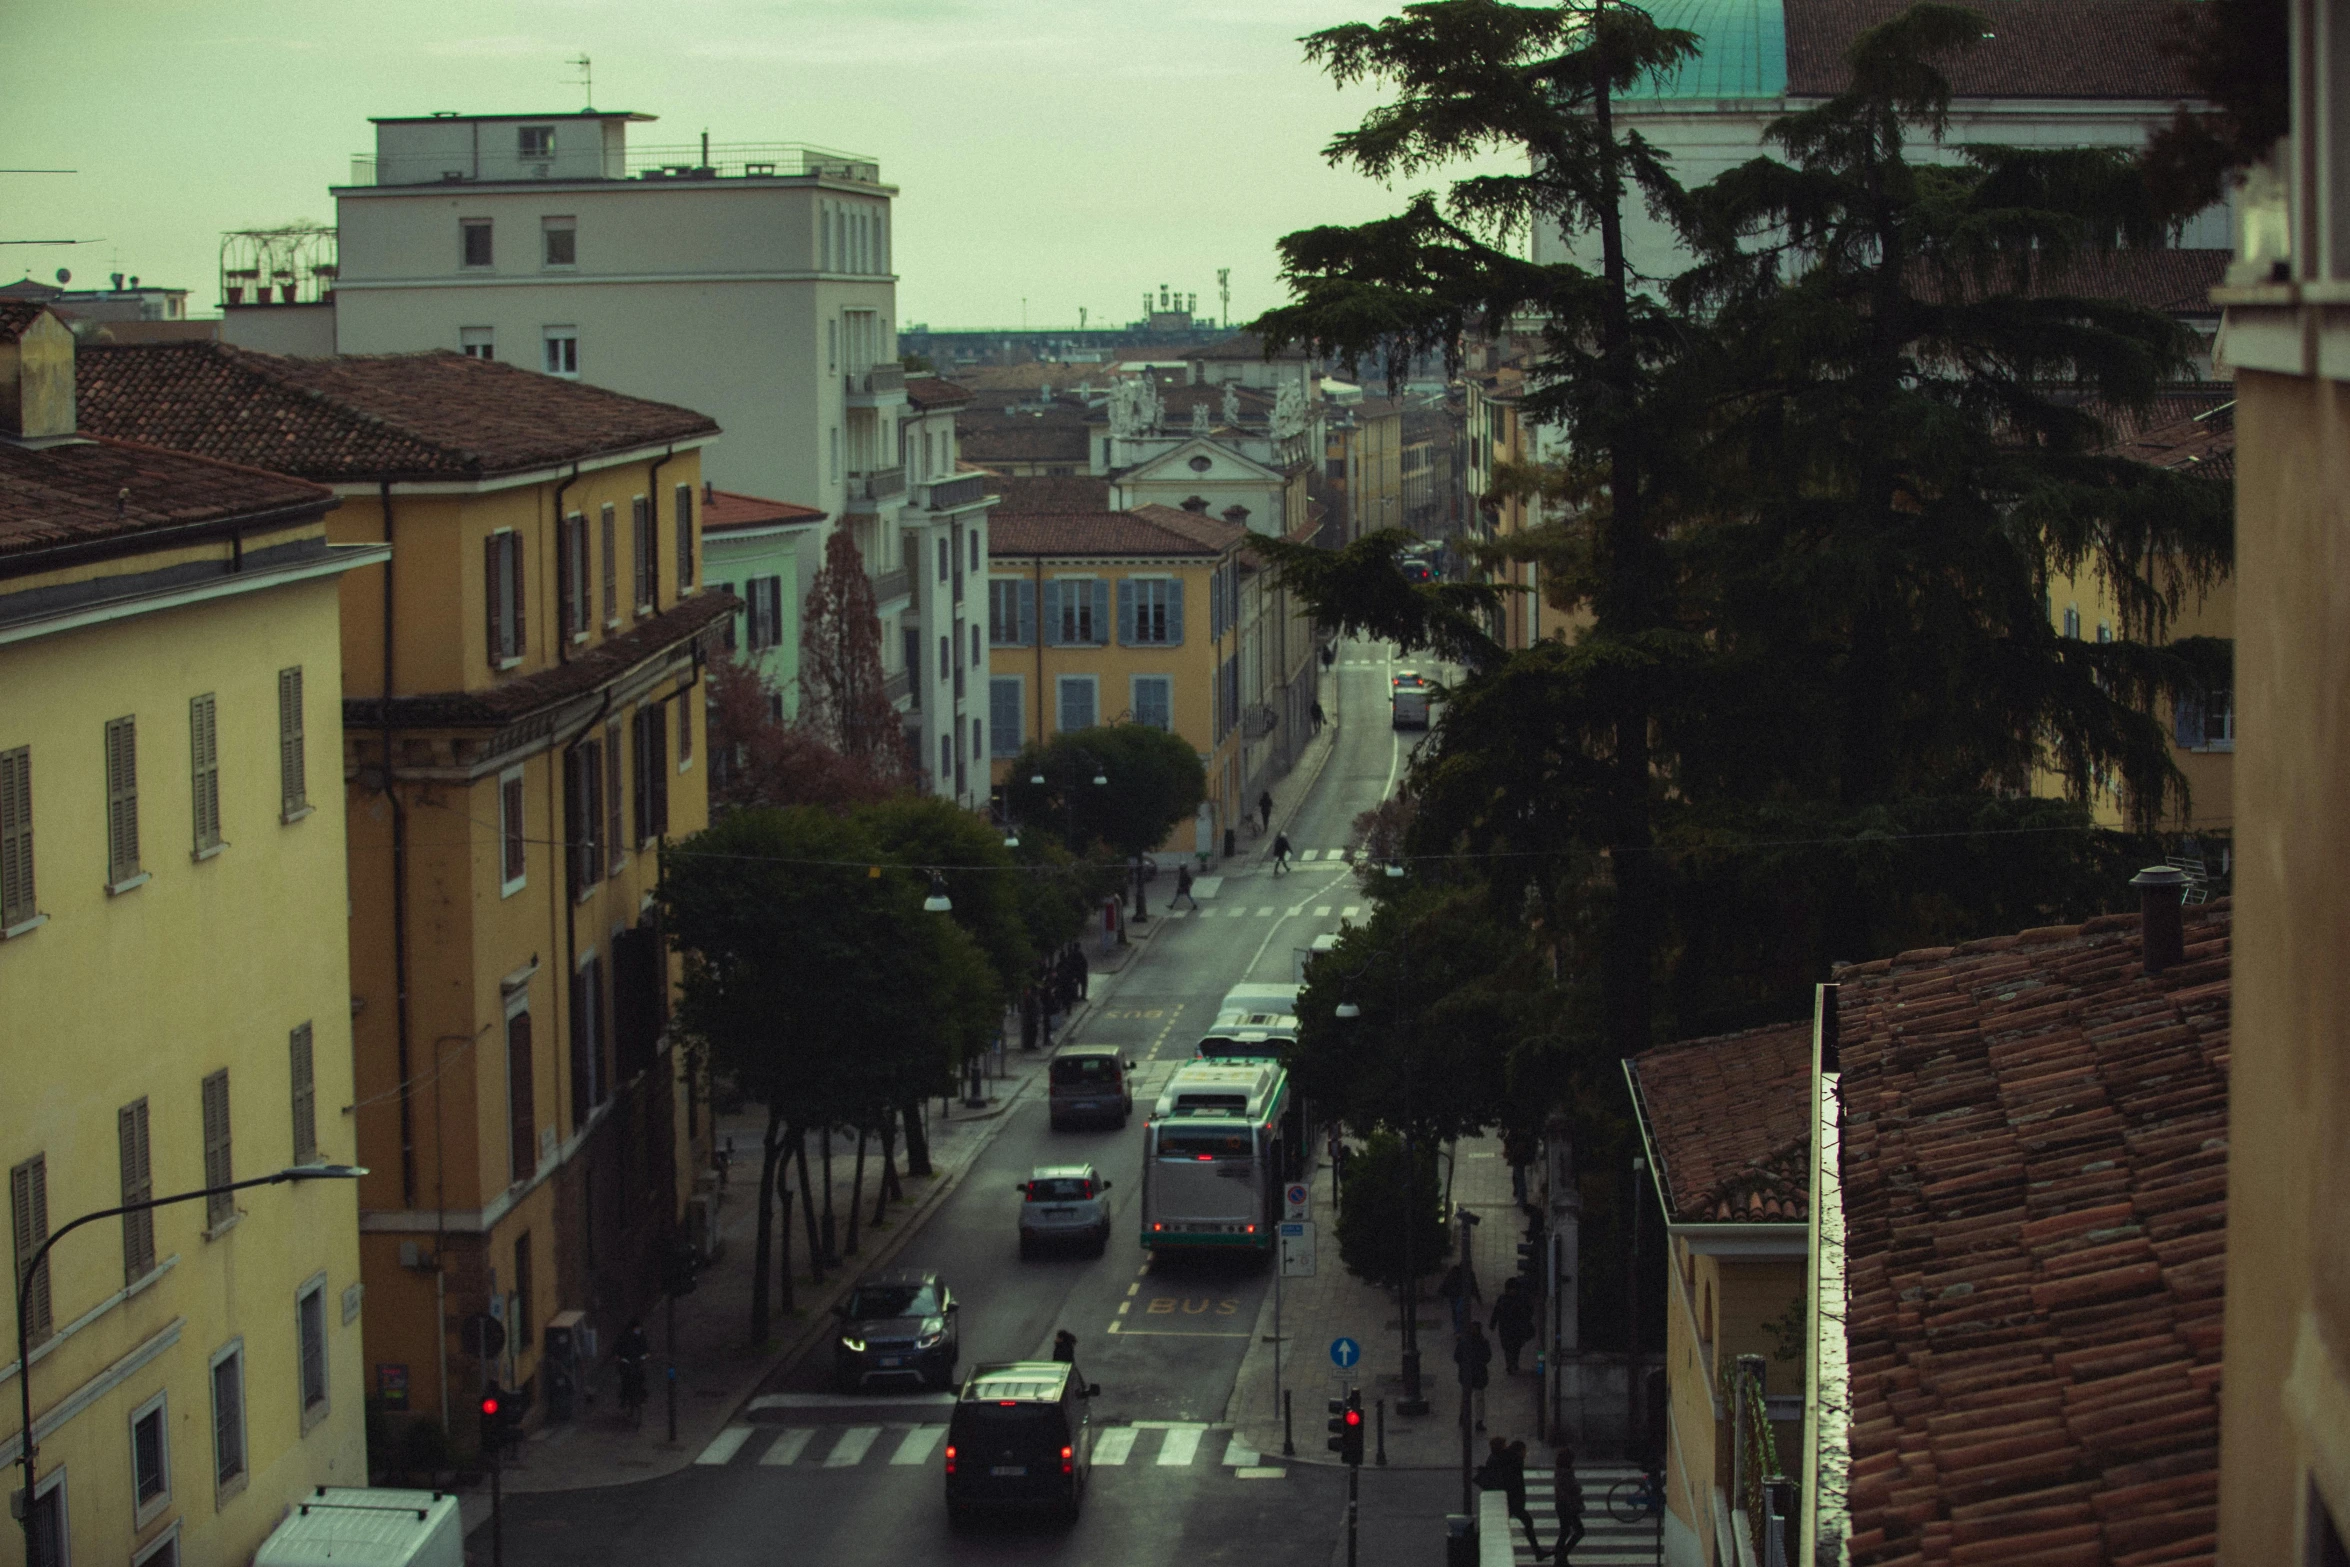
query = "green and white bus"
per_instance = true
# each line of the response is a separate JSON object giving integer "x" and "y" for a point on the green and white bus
{"x": 1215, "y": 1152}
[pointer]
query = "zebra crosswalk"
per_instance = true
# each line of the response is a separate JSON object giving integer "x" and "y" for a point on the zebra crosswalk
{"x": 1264, "y": 911}
{"x": 1605, "y": 1542}
{"x": 1145, "y": 1444}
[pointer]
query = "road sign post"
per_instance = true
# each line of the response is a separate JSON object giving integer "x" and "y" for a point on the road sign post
{"x": 1345, "y": 1353}
{"x": 1297, "y": 1200}
{"x": 1297, "y": 1249}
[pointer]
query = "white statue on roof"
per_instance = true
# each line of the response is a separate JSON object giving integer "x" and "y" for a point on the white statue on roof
{"x": 1199, "y": 418}
{"x": 1289, "y": 412}
{"x": 1232, "y": 403}
{"x": 1134, "y": 406}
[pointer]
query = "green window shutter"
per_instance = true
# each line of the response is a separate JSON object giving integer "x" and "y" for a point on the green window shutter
{"x": 28, "y": 1201}
{"x": 16, "y": 836}
{"x": 219, "y": 1160}
{"x": 122, "y": 799}
{"x": 611, "y": 567}
{"x": 1027, "y": 614}
{"x": 292, "y": 758}
{"x": 138, "y": 1184}
{"x": 1100, "y": 597}
{"x": 522, "y": 1112}
{"x": 1175, "y": 613}
{"x": 305, "y": 1095}
{"x": 1129, "y": 629}
{"x": 685, "y": 537}
{"x": 204, "y": 769}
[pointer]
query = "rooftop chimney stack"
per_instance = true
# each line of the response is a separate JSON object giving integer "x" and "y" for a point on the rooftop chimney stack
{"x": 36, "y": 379}
{"x": 2162, "y": 936}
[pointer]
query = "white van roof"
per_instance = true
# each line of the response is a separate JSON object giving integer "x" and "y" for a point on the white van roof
{"x": 1239, "y": 1088}
{"x": 357, "y": 1526}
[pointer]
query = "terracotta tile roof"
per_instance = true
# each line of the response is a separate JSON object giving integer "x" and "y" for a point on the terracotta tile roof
{"x": 1032, "y": 494}
{"x": 724, "y": 510}
{"x": 2179, "y": 281}
{"x": 88, "y": 492}
{"x": 1147, "y": 530}
{"x": 1052, "y": 435}
{"x": 2035, "y": 1185}
{"x": 1242, "y": 345}
{"x": 2038, "y": 48}
{"x": 16, "y": 315}
{"x": 2205, "y": 442}
{"x": 590, "y": 669}
{"x": 1730, "y": 1120}
{"x": 355, "y": 418}
{"x": 929, "y": 391}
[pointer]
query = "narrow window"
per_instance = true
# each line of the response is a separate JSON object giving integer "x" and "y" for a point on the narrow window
{"x": 304, "y": 1078}
{"x": 685, "y": 537}
{"x": 685, "y": 730}
{"x": 559, "y": 238}
{"x": 612, "y": 814}
{"x": 946, "y": 758}
{"x": 219, "y": 1165}
{"x": 228, "y": 1416}
{"x": 522, "y": 1291}
{"x": 586, "y": 1053}
{"x": 514, "y": 845}
{"x": 16, "y": 837}
{"x": 475, "y": 237}
{"x": 726, "y": 630}
{"x": 310, "y": 1331}
{"x": 1004, "y": 714}
{"x": 204, "y": 771}
{"x": 293, "y": 771}
{"x": 150, "y": 1459}
{"x": 477, "y": 342}
{"x": 1077, "y": 704}
{"x": 561, "y": 345}
{"x": 138, "y": 1184}
{"x": 611, "y": 568}
{"x": 122, "y": 800}
{"x": 1154, "y": 701}
{"x": 645, "y": 586}
{"x": 534, "y": 143}
{"x": 522, "y": 1113}
{"x": 502, "y": 597}
{"x": 945, "y": 558}
{"x": 28, "y": 1207}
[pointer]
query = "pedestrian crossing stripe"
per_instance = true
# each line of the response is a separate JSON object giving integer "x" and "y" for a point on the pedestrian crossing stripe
{"x": 1180, "y": 1444}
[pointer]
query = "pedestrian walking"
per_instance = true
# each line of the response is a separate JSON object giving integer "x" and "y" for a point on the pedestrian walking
{"x": 1520, "y": 1150}
{"x": 1504, "y": 1470}
{"x": 1474, "y": 1356}
{"x": 1566, "y": 1494}
{"x": 1317, "y": 717}
{"x": 1265, "y": 809}
{"x": 1065, "y": 1347}
{"x": 1084, "y": 970}
{"x": 1183, "y": 888}
{"x": 1281, "y": 854}
{"x": 1028, "y": 1018}
{"x": 1459, "y": 1289}
{"x": 1513, "y": 1321}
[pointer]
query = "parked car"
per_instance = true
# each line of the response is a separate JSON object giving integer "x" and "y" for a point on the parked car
{"x": 1021, "y": 1436}
{"x": 1090, "y": 1084}
{"x": 897, "y": 1327}
{"x": 1064, "y": 1203}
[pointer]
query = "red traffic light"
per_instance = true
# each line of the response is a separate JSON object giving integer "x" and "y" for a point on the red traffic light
{"x": 489, "y": 1404}
{"x": 1354, "y": 1417}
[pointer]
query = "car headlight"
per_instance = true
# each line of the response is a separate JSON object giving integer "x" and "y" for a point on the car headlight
{"x": 853, "y": 1344}
{"x": 933, "y": 1330}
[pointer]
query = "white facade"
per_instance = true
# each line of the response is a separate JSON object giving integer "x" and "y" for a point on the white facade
{"x": 944, "y": 629}
{"x": 750, "y": 283}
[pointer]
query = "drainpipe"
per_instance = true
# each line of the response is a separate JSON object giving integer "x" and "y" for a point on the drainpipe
{"x": 562, "y": 632}
{"x": 399, "y": 883}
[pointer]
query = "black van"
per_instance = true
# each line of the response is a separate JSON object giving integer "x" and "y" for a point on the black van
{"x": 1091, "y": 1084}
{"x": 1021, "y": 1437}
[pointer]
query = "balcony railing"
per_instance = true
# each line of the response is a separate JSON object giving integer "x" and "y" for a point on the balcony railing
{"x": 870, "y": 490}
{"x": 897, "y": 684}
{"x": 892, "y": 585}
{"x": 880, "y": 384}
{"x": 948, "y": 494}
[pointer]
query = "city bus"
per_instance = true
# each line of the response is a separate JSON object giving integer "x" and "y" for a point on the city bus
{"x": 1215, "y": 1153}
{"x": 1253, "y": 1023}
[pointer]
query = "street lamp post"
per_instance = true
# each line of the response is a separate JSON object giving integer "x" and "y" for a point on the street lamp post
{"x": 32, "y": 1268}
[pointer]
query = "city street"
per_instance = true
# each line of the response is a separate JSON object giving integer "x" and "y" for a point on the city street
{"x": 804, "y": 1474}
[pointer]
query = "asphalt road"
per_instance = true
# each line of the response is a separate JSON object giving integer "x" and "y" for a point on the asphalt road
{"x": 812, "y": 1477}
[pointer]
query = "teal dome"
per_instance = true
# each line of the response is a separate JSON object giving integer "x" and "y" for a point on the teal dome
{"x": 1742, "y": 50}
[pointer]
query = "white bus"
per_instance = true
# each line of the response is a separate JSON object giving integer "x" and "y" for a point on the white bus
{"x": 1214, "y": 1156}
{"x": 1254, "y": 1023}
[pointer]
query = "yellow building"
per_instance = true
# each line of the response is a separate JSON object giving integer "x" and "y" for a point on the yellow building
{"x": 174, "y": 981}
{"x": 1363, "y": 461}
{"x": 533, "y": 1156}
{"x": 1119, "y": 616}
{"x": 1725, "y": 1125}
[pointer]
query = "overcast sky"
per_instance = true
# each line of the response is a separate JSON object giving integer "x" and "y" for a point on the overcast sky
{"x": 1066, "y": 152}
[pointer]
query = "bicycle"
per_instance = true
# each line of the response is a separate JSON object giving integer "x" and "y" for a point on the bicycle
{"x": 1636, "y": 1500}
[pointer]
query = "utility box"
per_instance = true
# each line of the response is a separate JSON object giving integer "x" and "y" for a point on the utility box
{"x": 354, "y": 1526}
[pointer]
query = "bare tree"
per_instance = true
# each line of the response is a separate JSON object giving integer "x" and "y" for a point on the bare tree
{"x": 841, "y": 697}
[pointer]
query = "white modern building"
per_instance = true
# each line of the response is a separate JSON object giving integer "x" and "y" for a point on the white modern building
{"x": 944, "y": 627}
{"x": 750, "y": 282}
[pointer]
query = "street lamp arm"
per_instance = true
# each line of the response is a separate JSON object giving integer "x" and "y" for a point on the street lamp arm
{"x": 31, "y": 1270}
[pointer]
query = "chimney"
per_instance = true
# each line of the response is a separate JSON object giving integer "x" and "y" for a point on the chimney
{"x": 36, "y": 381}
{"x": 2162, "y": 938}
{"x": 709, "y": 491}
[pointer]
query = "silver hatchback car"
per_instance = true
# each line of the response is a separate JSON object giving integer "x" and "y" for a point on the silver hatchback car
{"x": 1065, "y": 1203}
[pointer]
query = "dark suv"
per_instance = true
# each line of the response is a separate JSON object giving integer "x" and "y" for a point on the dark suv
{"x": 897, "y": 1327}
{"x": 1021, "y": 1436}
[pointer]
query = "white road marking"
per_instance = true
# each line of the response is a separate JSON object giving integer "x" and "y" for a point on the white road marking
{"x": 1113, "y": 1445}
{"x": 725, "y": 1445}
{"x": 1350, "y": 911}
{"x": 788, "y": 1445}
{"x": 1321, "y": 911}
{"x": 1239, "y": 1454}
{"x": 1181, "y": 1445}
{"x": 846, "y": 1400}
{"x": 917, "y": 1446}
{"x": 1261, "y": 1472}
{"x": 1295, "y": 912}
{"x": 1265, "y": 913}
{"x": 854, "y": 1444}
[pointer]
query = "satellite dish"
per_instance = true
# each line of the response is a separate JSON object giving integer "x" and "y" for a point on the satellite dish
{"x": 63, "y": 276}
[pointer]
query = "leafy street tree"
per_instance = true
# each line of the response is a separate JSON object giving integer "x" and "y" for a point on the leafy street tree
{"x": 2238, "y": 54}
{"x": 1152, "y": 781}
{"x": 1378, "y": 1206}
{"x": 842, "y": 700}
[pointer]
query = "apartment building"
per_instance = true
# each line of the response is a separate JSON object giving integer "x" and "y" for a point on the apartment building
{"x": 946, "y": 646}
{"x": 1120, "y": 617}
{"x": 173, "y": 950}
{"x": 750, "y": 281}
{"x": 751, "y": 550}
{"x": 521, "y": 739}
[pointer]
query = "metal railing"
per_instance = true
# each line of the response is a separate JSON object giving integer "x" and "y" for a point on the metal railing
{"x": 879, "y": 381}
{"x": 749, "y": 160}
{"x": 947, "y": 494}
{"x": 898, "y": 683}
{"x": 892, "y": 585}
{"x": 877, "y": 484}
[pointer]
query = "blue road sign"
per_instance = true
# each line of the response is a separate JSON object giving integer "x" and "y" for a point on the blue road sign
{"x": 1344, "y": 1352}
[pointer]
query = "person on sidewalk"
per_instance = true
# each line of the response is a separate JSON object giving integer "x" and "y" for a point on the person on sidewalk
{"x": 1566, "y": 1494}
{"x": 1281, "y": 854}
{"x": 1513, "y": 1321}
{"x": 1028, "y": 1018}
{"x": 1459, "y": 1289}
{"x": 1504, "y": 1470}
{"x": 1183, "y": 888}
{"x": 1082, "y": 969}
{"x": 1317, "y": 717}
{"x": 1474, "y": 1356}
{"x": 1065, "y": 1347}
{"x": 1265, "y": 809}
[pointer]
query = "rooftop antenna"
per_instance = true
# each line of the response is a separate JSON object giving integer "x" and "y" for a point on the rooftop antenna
{"x": 585, "y": 81}
{"x": 1224, "y": 292}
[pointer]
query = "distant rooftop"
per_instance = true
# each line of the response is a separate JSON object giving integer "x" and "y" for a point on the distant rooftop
{"x": 586, "y": 144}
{"x": 558, "y": 114}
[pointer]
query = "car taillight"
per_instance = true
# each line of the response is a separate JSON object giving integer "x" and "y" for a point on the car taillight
{"x": 950, "y": 1458}
{"x": 1068, "y": 1460}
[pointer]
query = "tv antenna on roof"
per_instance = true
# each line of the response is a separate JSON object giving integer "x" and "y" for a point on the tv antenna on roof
{"x": 585, "y": 81}
{"x": 1224, "y": 293}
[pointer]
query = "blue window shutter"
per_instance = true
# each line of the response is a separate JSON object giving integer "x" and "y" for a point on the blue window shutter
{"x": 1175, "y": 612}
{"x": 1101, "y": 610}
{"x": 1126, "y": 636}
{"x": 1027, "y": 614}
{"x": 1052, "y": 612}
{"x": 2187, "y": 719}
{"x": 1004, "y": 715}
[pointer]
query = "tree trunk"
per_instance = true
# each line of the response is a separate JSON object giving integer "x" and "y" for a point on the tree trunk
{"x": 783, "y": 1278}
{"x": 887, "y": 1187}
{"x": 808, "y": 1208}
{"x": 770, "y": 1154}
{"x": 857, "y": 1193}
{"x": 831, "y": 1236}
{"x": 917, "y": 1144}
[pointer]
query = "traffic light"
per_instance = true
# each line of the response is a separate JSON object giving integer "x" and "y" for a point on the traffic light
{"x": 1346, "y": 1427}
{"x": 493, "y": 1418}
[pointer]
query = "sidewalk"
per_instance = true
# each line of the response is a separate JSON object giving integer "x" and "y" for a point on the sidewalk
{"x": 1335, "y": 1304}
